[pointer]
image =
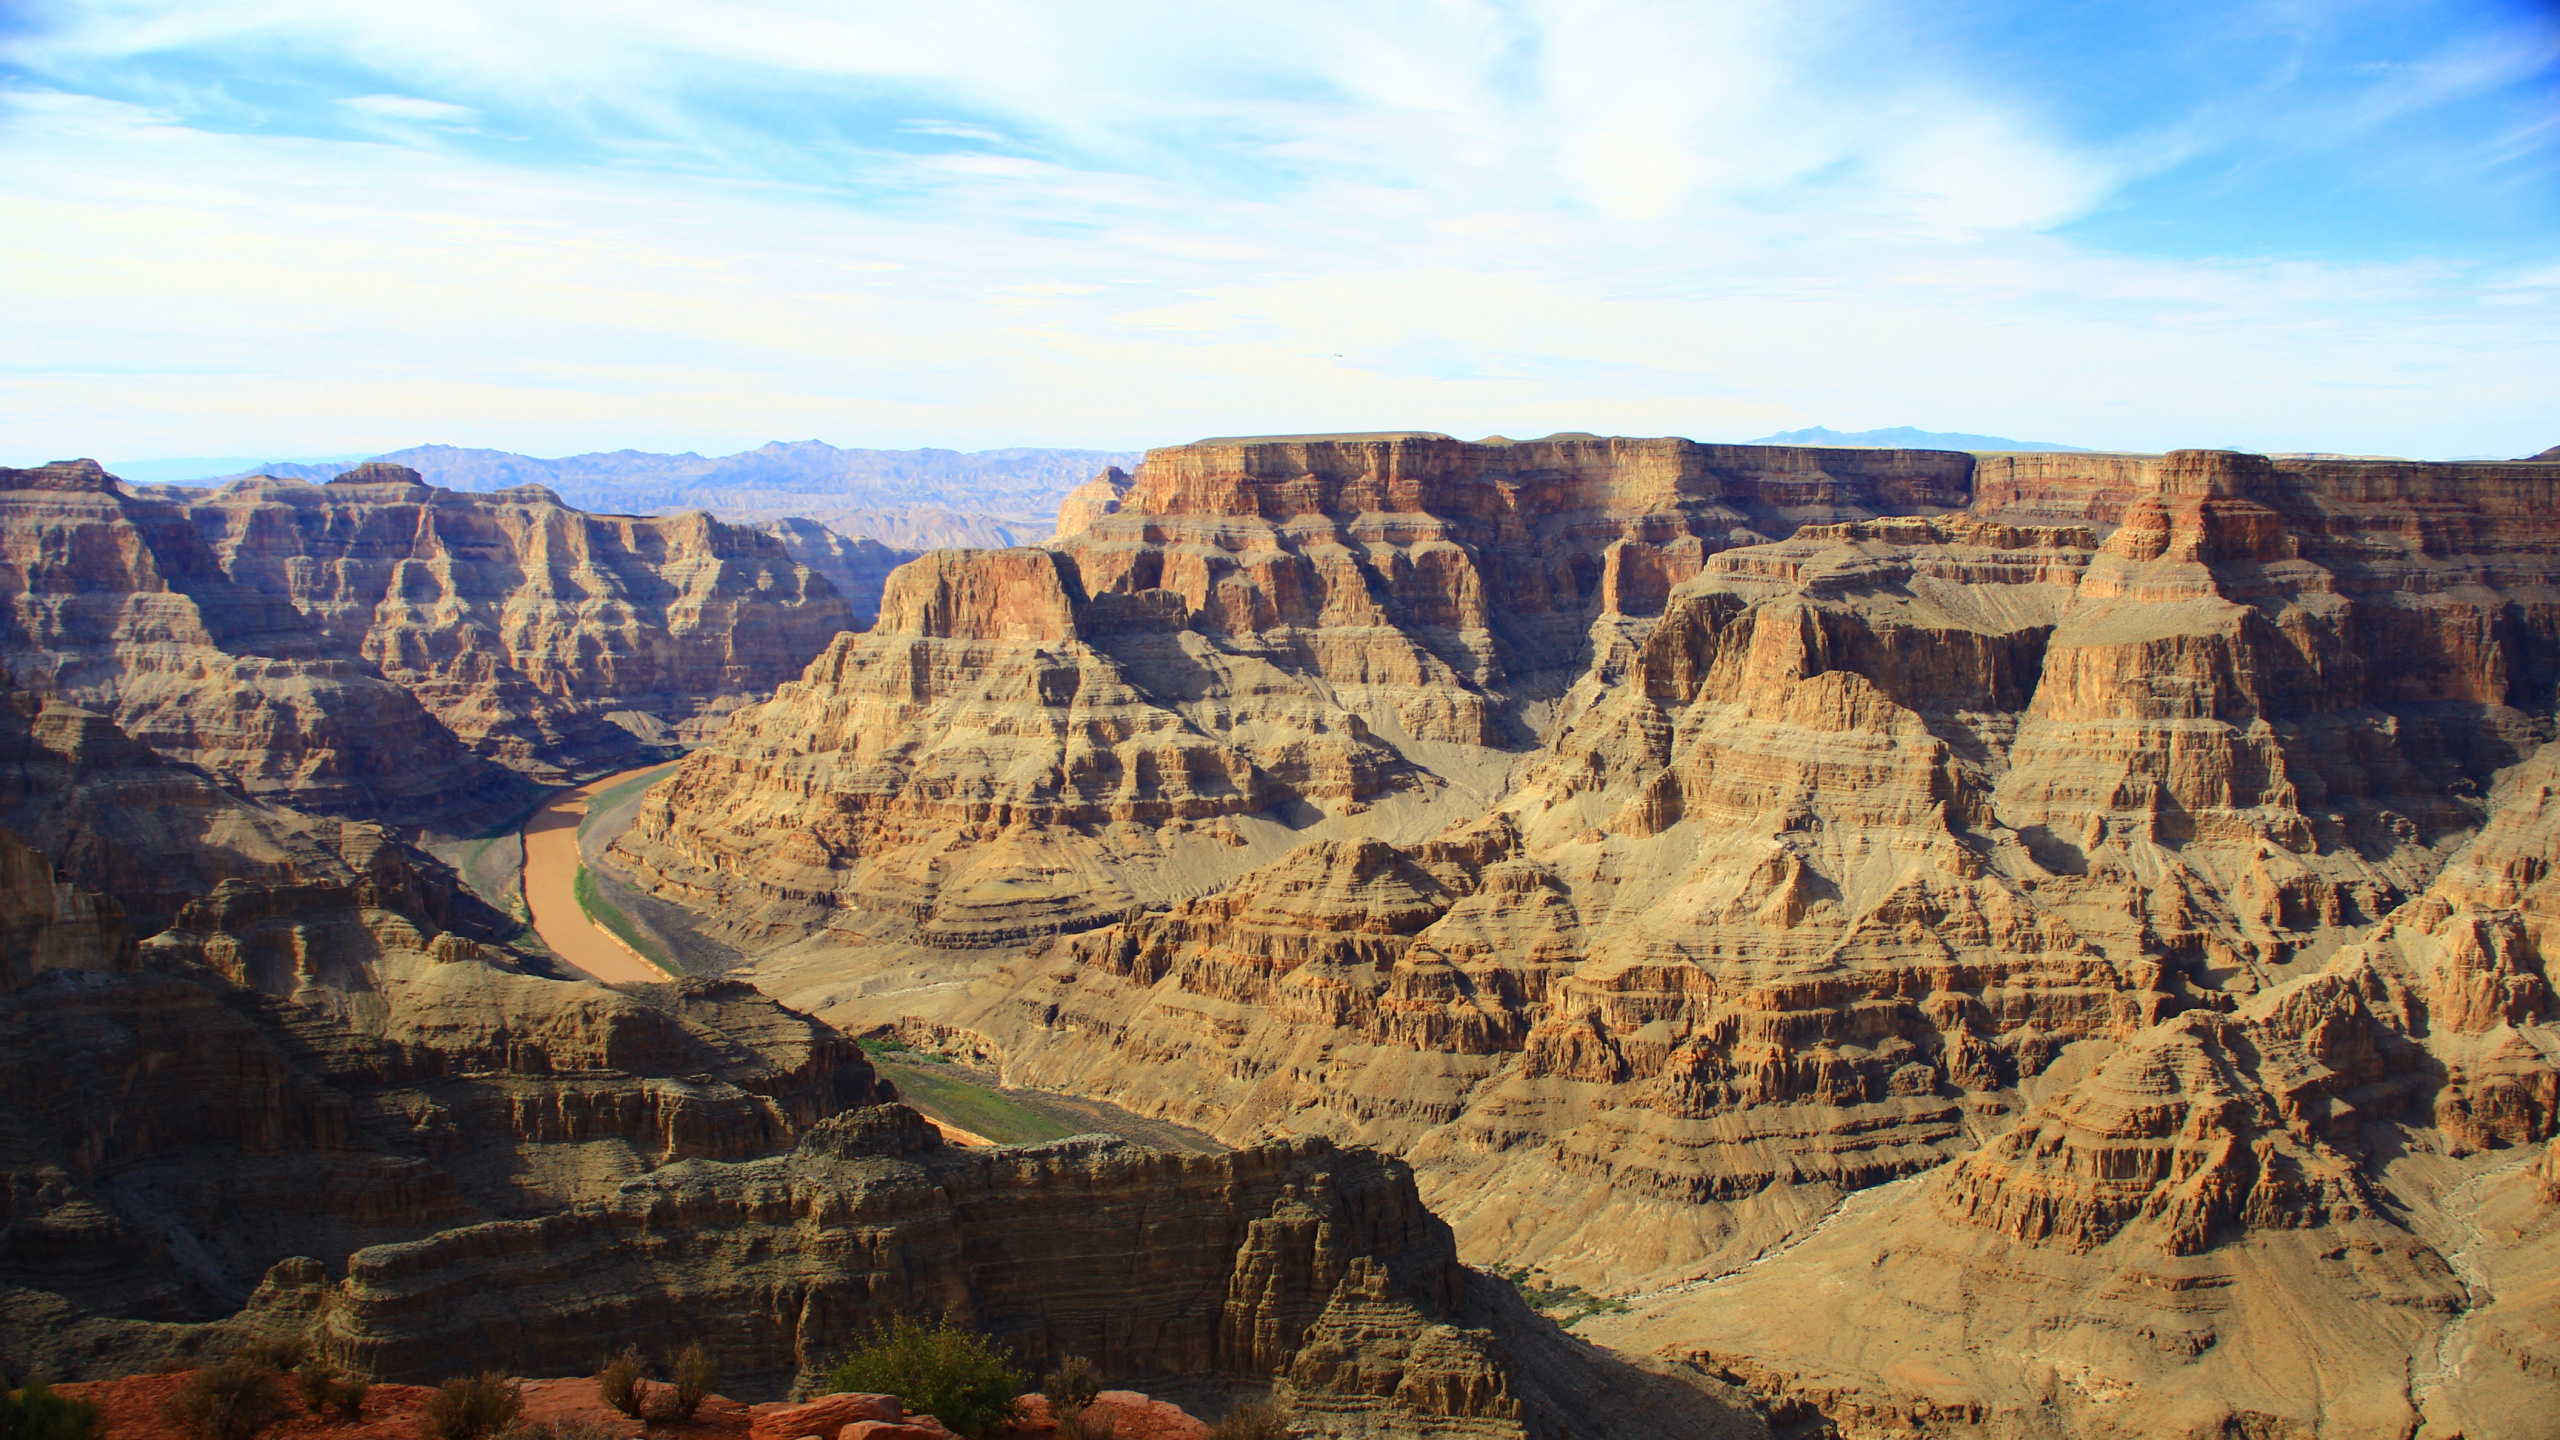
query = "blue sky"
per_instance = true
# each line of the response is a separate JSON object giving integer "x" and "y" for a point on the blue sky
{"x": 287, "y": 226}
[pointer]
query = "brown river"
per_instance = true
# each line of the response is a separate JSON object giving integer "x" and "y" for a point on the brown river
{"x": 550, "y": 888}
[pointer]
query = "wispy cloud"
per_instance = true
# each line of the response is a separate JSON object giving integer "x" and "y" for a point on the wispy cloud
{"x": 278, "y": 223}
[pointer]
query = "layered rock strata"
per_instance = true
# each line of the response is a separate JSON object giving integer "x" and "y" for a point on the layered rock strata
{"x": 1291, "y": 1261}
{"x": 1686, "y": 840}
{"x": 1264, "y": 635}
{"x": 307, "y": 1108}
{"x": 525, "y": 627}
{"x": 379, "y": 647}
{"x": 119, "y": 606}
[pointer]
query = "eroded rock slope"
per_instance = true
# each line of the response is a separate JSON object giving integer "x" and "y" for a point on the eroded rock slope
{"x": 323, "y": 1096}
{"x": 1658, "y": 843}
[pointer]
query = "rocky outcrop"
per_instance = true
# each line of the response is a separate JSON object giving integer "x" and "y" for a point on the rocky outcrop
{"x": 153, "y": 835}
{"x": 301, "y": 1067}
{"x": 308, "y": 1078}
{"x": 1100, "y": 496}
{"x": 50, "y": 928}
{"x": 1174, "y": 1264}
{"x": 1291, "y": 1261}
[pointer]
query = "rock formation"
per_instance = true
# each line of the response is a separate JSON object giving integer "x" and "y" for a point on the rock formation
{"x": 912, "y": 500}
{"x": 856, "y": 566}
{"x": 327, "y": 1098}
{"x": 1100, "y": 496}
{"x": 1264, "y": 634}
{"x": 119, "y": 606}
{"x": 522, "y": 625}
{"x": 1658, "y": 843}
{"x": 382, "y": 648}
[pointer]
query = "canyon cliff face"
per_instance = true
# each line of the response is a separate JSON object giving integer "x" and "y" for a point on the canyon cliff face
{"x": 382, "y": 648}
{"x": 1266, "y": 636}
{"x": 325, "y": 1098}
{"x": 1666, "y": 846}
{"x": 532, "y": 631}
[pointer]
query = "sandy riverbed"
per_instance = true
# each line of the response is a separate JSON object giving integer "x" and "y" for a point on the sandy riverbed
{"x": 550, "y": 888}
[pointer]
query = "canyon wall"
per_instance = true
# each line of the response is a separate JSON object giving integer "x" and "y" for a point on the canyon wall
{"x": 1657, "y": 844}
{"x": 379, "y": 647}
{"x": 527, "y": 628}
{"x": 323, "y": 1097}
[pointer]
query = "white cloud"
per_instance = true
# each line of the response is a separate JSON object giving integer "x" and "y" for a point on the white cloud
{"x": 1708, "y": 219}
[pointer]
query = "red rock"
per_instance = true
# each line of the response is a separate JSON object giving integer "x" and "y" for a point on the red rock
{"x": 922, "y": 1427}
{"x": 1135, "y": 1416}
{"x": 825, "y": 1415}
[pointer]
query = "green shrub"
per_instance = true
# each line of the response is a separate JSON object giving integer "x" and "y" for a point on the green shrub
{"x": 232, "y": 1401}
{"x": 1071, "y": 1386}
{"x": 471, "y": 1407}
{"x": 1253, "y": 1420}
{"x": 36, "y": 1413}
{"x": 619, "y": 1381}
{"x": 696, "y": 1376}
{"x": 959, "y": 1376}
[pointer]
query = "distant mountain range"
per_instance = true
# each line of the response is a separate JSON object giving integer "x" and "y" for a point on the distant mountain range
{"x": 198, "y": 469}
{"x": 1905, "y": 437}
{"x": 906, "y": 499}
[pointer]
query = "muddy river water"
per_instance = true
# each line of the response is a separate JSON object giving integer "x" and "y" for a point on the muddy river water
{"x": 551, "y": 888}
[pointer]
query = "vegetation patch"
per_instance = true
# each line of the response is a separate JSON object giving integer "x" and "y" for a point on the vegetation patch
{"x": 1567, "y": 1305}
{"x": 941, "y": 1092}
{"x": 884, "y": 1045}
{"x": 36, "y": 1413}
{"x": 605, "y": 913}
{"x": 960, "y": 1377}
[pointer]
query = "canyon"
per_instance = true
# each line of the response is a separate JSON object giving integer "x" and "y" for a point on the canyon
{"x": 331, "y": 1098}
{"x": 1923, "y": 943}
{"x": 1722, "y": 871}
{"x": 383, "y": 647}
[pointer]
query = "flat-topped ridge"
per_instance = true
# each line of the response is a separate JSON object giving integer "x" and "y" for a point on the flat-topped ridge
{"x": 71, "y": 476}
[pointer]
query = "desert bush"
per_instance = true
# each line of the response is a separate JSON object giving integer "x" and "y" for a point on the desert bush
{"x": 34, "y": 1412}
{"x": 619, "y": 1381}
{"x": 324, "y": 1389}
{"x": 471, "y": 1407}
{"x": 696, "y": 1376}
{"x": 959, "y": 1376}
{"x": 1071, "y": 1386}
{"x": 1253, "y": 1420}
{"x": 232, "y": 1401}
{"x": 583, "y": 1427}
